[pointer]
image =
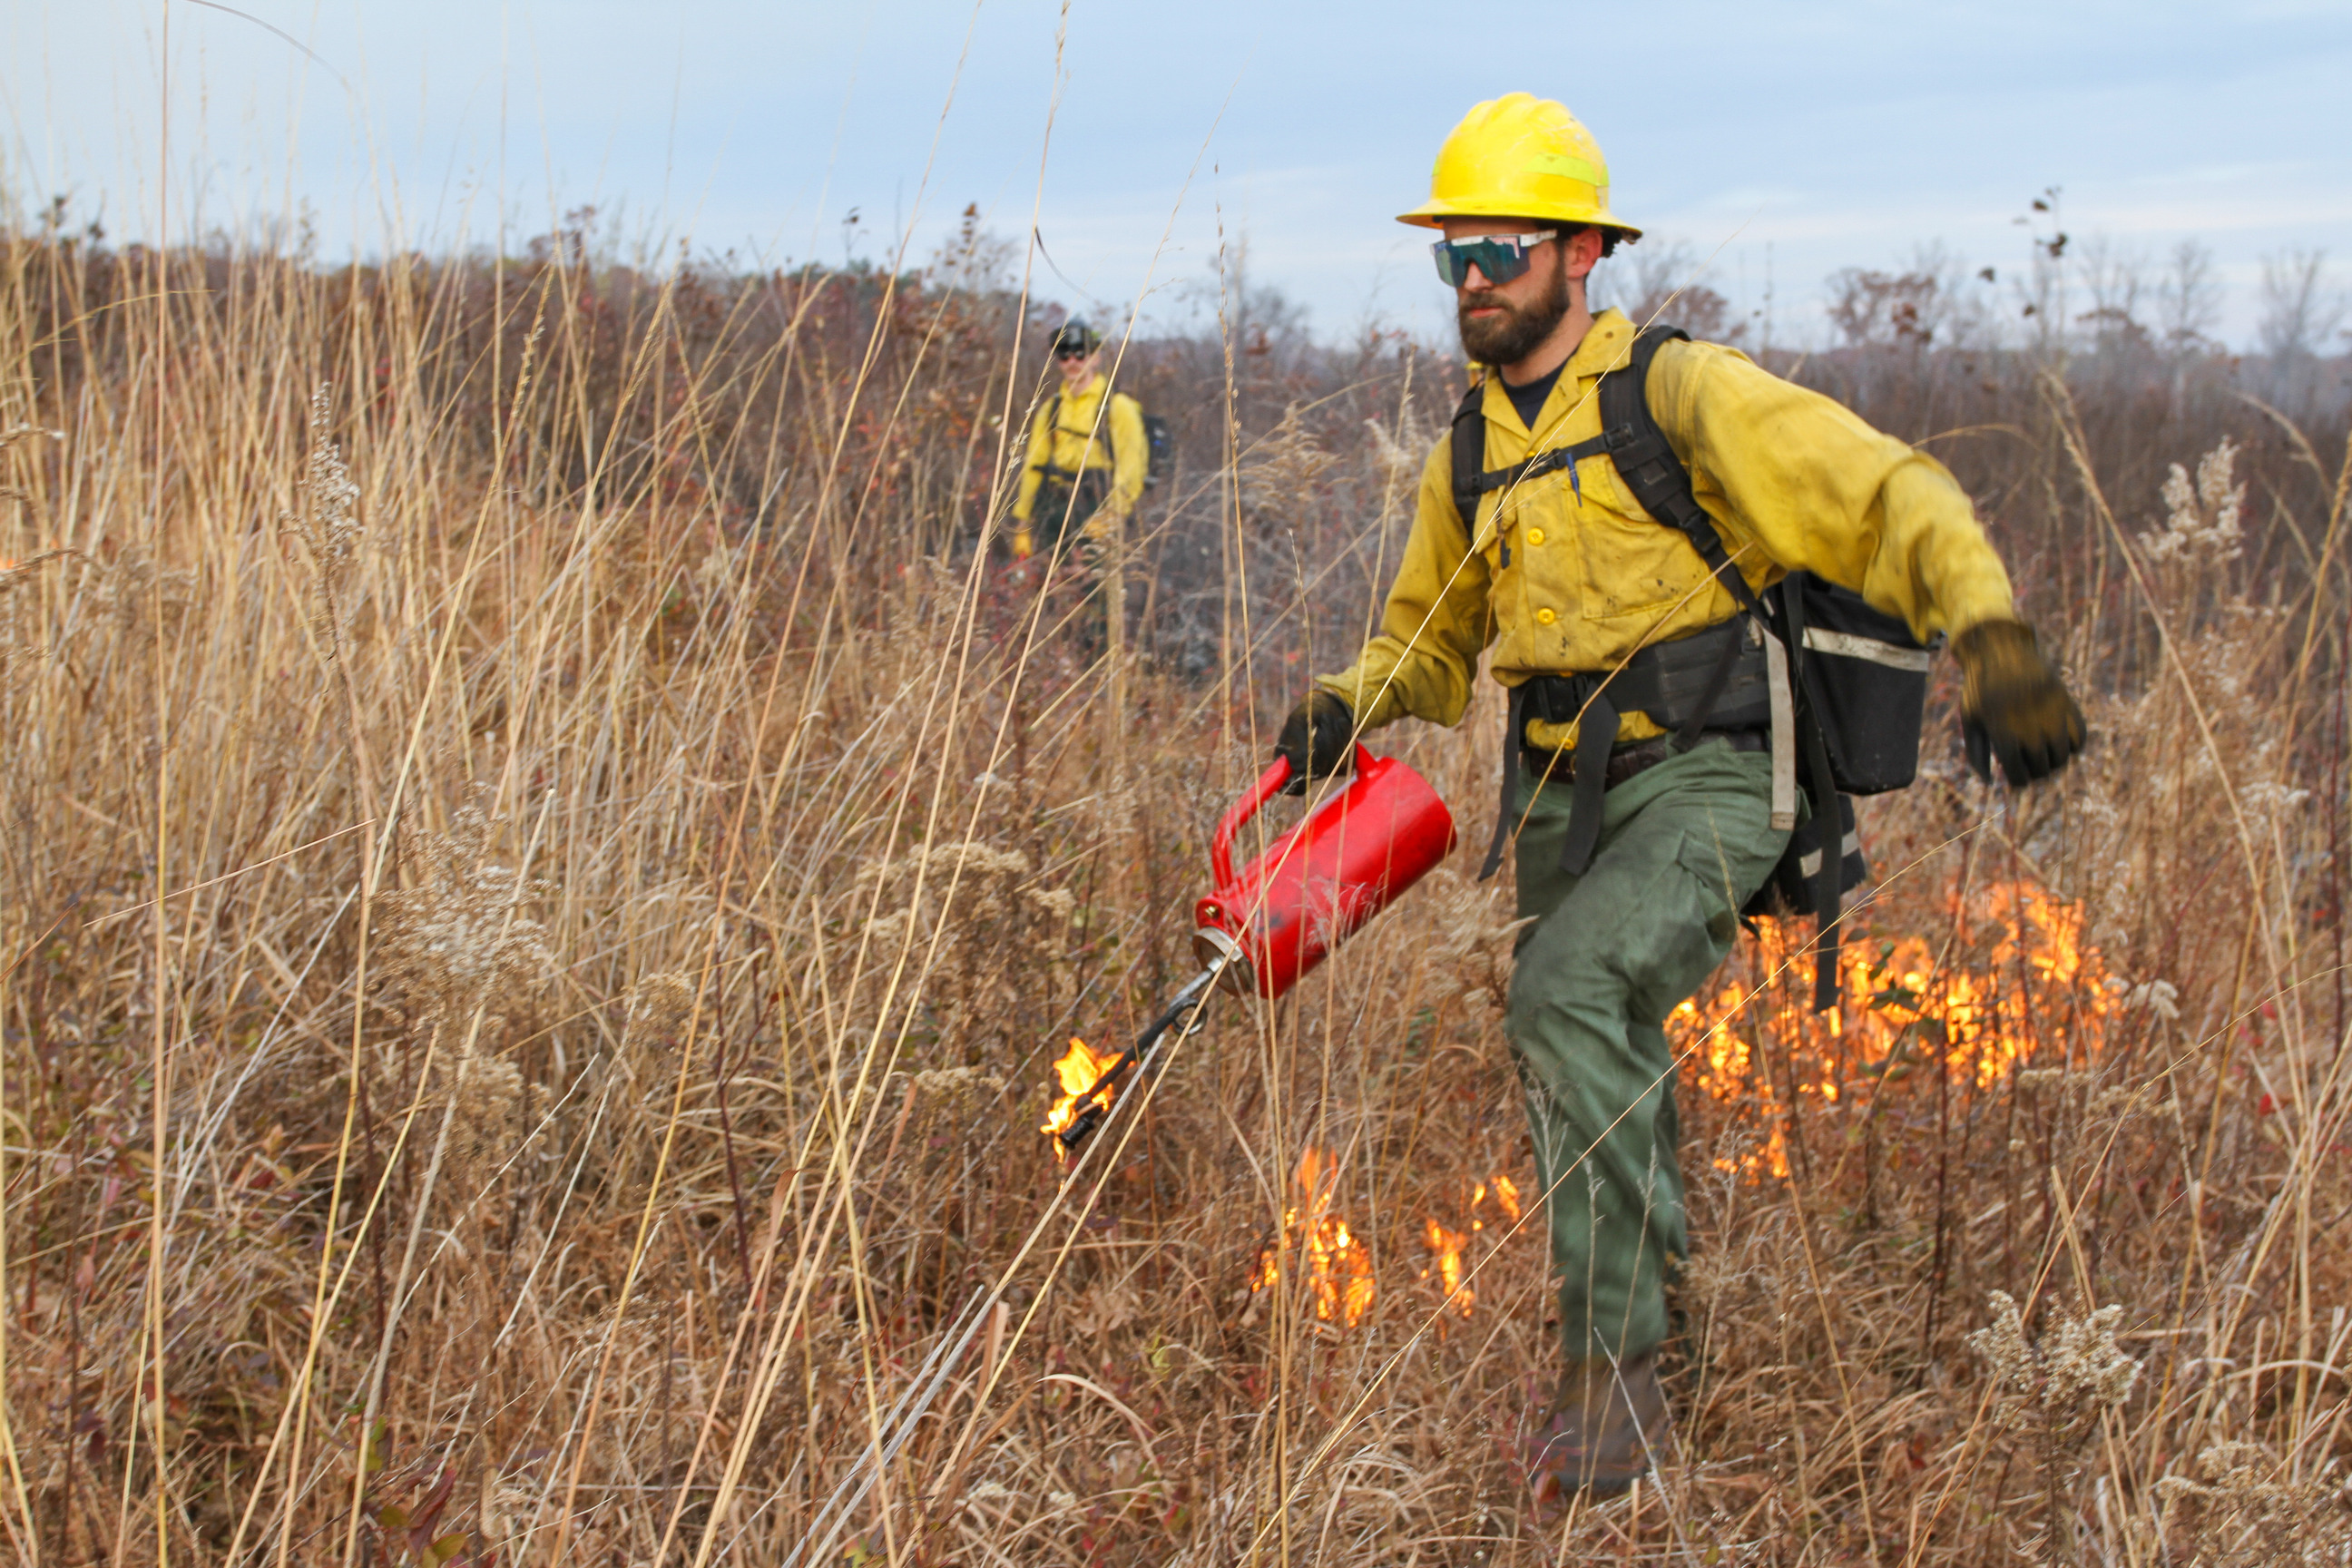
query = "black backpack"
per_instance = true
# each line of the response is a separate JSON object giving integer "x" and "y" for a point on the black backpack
{"x": 1858, "y": 676}
{"x": 1160, "y": 453}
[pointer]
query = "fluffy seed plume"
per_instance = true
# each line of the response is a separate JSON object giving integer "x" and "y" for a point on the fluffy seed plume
{"x": 658, "y": 1009}
{"x": 452, "y": 944}
{"x": 485, "y": 1120}
{"x": 324, "y": 521}
{"x": 2075, "y": 1371}
{"x": 2201, "y": 519}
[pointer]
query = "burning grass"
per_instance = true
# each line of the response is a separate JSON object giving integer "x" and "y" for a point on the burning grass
{"x": 2025, "y": 984}
{"x": 525, "y": 995}
{"x": 1447, "y": 1248}
{"x": 1335, "y": 1267}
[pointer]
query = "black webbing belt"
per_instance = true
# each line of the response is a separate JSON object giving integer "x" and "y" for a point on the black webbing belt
{"x": 1715, "y": 678}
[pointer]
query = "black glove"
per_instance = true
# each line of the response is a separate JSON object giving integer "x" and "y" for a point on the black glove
{"x": 1315, "y": 740}
{"x": 2013, "y": 706}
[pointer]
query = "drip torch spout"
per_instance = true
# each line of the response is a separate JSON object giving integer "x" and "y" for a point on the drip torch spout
{"x": 1184, "y": 1015}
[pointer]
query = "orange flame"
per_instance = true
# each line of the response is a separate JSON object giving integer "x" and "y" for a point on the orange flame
{"x": 1448, "y": 1246}
{"x": 2030, "y": 985}
{"x": 1080, "y": 1068}
{"x": 1339, "y": 1268}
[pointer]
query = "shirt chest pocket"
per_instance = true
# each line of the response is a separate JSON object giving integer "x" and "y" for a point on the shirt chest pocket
{"x": 1536, "y": 549}
{"x": 1631, "y": 564}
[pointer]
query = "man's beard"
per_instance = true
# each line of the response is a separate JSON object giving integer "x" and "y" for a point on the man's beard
{"x": 1519, "y": 330}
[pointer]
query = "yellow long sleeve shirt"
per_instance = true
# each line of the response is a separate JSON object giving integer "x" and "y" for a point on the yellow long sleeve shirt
{"x": 1065, "y": 436}
{"x": 1792, "y": 479}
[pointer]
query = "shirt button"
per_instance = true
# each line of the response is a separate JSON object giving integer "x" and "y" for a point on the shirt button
{"x": 1545, "y": 618}
{"x": 1535, "y": 536}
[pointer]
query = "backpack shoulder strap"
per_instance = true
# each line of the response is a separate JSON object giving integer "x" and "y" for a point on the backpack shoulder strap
{"x": 1105, "y": 422}
{"x": 1473, "y": 479}
{"x": 1646, "y": 461}
{"x": 1110, "y": 429}
{"x": 1054, "y": 438}
{"x": 1659, "y": 482}
{"x": 1469, "y": 449}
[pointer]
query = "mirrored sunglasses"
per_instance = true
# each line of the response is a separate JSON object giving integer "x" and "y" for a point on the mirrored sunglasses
{"x": 1499, "y": 257}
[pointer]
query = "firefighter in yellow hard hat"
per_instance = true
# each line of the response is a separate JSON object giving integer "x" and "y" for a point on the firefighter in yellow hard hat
{"x": 1647, "y": 792}
{"x": 1088, "y": 454}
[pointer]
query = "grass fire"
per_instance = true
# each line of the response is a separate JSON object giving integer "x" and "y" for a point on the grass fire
{"x": 1446, "y": 1246}
{"x": 2034, "y": 990}
{"x": 1335, "y": 1267}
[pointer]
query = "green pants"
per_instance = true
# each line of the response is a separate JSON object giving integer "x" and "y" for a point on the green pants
{"x": 1610, "y": 954}
{"x": 1062, "y": 507}
{"x": 1058, "y": 520}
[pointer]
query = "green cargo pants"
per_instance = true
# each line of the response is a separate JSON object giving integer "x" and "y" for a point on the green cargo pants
{"x": 1610, "y": 954}
{"x": 1059, "y": 518}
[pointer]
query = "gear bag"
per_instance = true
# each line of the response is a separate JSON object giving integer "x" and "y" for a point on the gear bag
{"x": 1160, "y": 450}
{"x": 1859, "y": 678}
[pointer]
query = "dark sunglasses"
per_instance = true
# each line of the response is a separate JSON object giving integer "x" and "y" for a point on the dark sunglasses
{"x": 1072, "y": 353}
{"x": 1499, "y": 257}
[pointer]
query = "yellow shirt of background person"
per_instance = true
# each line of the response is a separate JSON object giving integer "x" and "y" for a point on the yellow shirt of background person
{"x": 1073, "y": 434}
{"x": 1567, "y": 574}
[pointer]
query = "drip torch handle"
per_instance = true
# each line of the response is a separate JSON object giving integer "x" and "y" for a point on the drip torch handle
{"x": 1269, "y": 784}
{"x": 1220, "y": 848}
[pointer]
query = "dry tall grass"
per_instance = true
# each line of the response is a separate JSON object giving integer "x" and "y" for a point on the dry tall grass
{"x": 626, "y": 863}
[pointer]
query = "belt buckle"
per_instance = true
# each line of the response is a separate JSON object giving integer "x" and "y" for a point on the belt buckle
{"x": 1638, "y": 758}
{"x": 1559, "y": 764}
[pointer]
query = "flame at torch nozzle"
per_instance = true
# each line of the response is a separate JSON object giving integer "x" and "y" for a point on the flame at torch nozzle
{"x": 1089, "y": 1079}
{"x": 1083, "y": 1074}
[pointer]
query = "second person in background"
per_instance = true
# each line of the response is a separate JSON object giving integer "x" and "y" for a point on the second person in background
{"x": 1087, "y": 462}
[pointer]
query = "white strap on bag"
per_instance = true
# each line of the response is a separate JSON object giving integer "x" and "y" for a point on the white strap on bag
{"x": 1846, "y": 644}
{"x": 1784, "y": 734}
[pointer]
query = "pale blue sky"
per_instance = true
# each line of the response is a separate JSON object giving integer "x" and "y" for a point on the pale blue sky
{"x": 1826, "y": 132}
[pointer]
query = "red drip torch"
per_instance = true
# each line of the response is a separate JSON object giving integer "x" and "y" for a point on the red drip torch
{"x": 1284, "y": 913}
{"x": 1308, "y": 893}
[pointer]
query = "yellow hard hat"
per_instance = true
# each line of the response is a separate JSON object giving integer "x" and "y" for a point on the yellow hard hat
{"x": 1519, "y": 156}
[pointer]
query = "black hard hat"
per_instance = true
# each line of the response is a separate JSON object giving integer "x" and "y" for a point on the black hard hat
{"x": 1074, "y": 334}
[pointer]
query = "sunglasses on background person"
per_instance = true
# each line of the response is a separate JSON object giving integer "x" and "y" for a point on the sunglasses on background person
{"x": 1499, "y": 257}
{"x": 1072, "y": 353}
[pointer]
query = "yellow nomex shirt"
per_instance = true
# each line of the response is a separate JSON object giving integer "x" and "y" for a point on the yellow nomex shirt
{"x": 1561, "y": 580}
{"x": 1064, "y": 435}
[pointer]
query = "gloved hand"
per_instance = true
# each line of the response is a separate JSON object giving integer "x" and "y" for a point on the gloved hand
{"x": 2013, "y": 706}
{"x": 1023, "y": 546}
{"x": 1314, "y": 739}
